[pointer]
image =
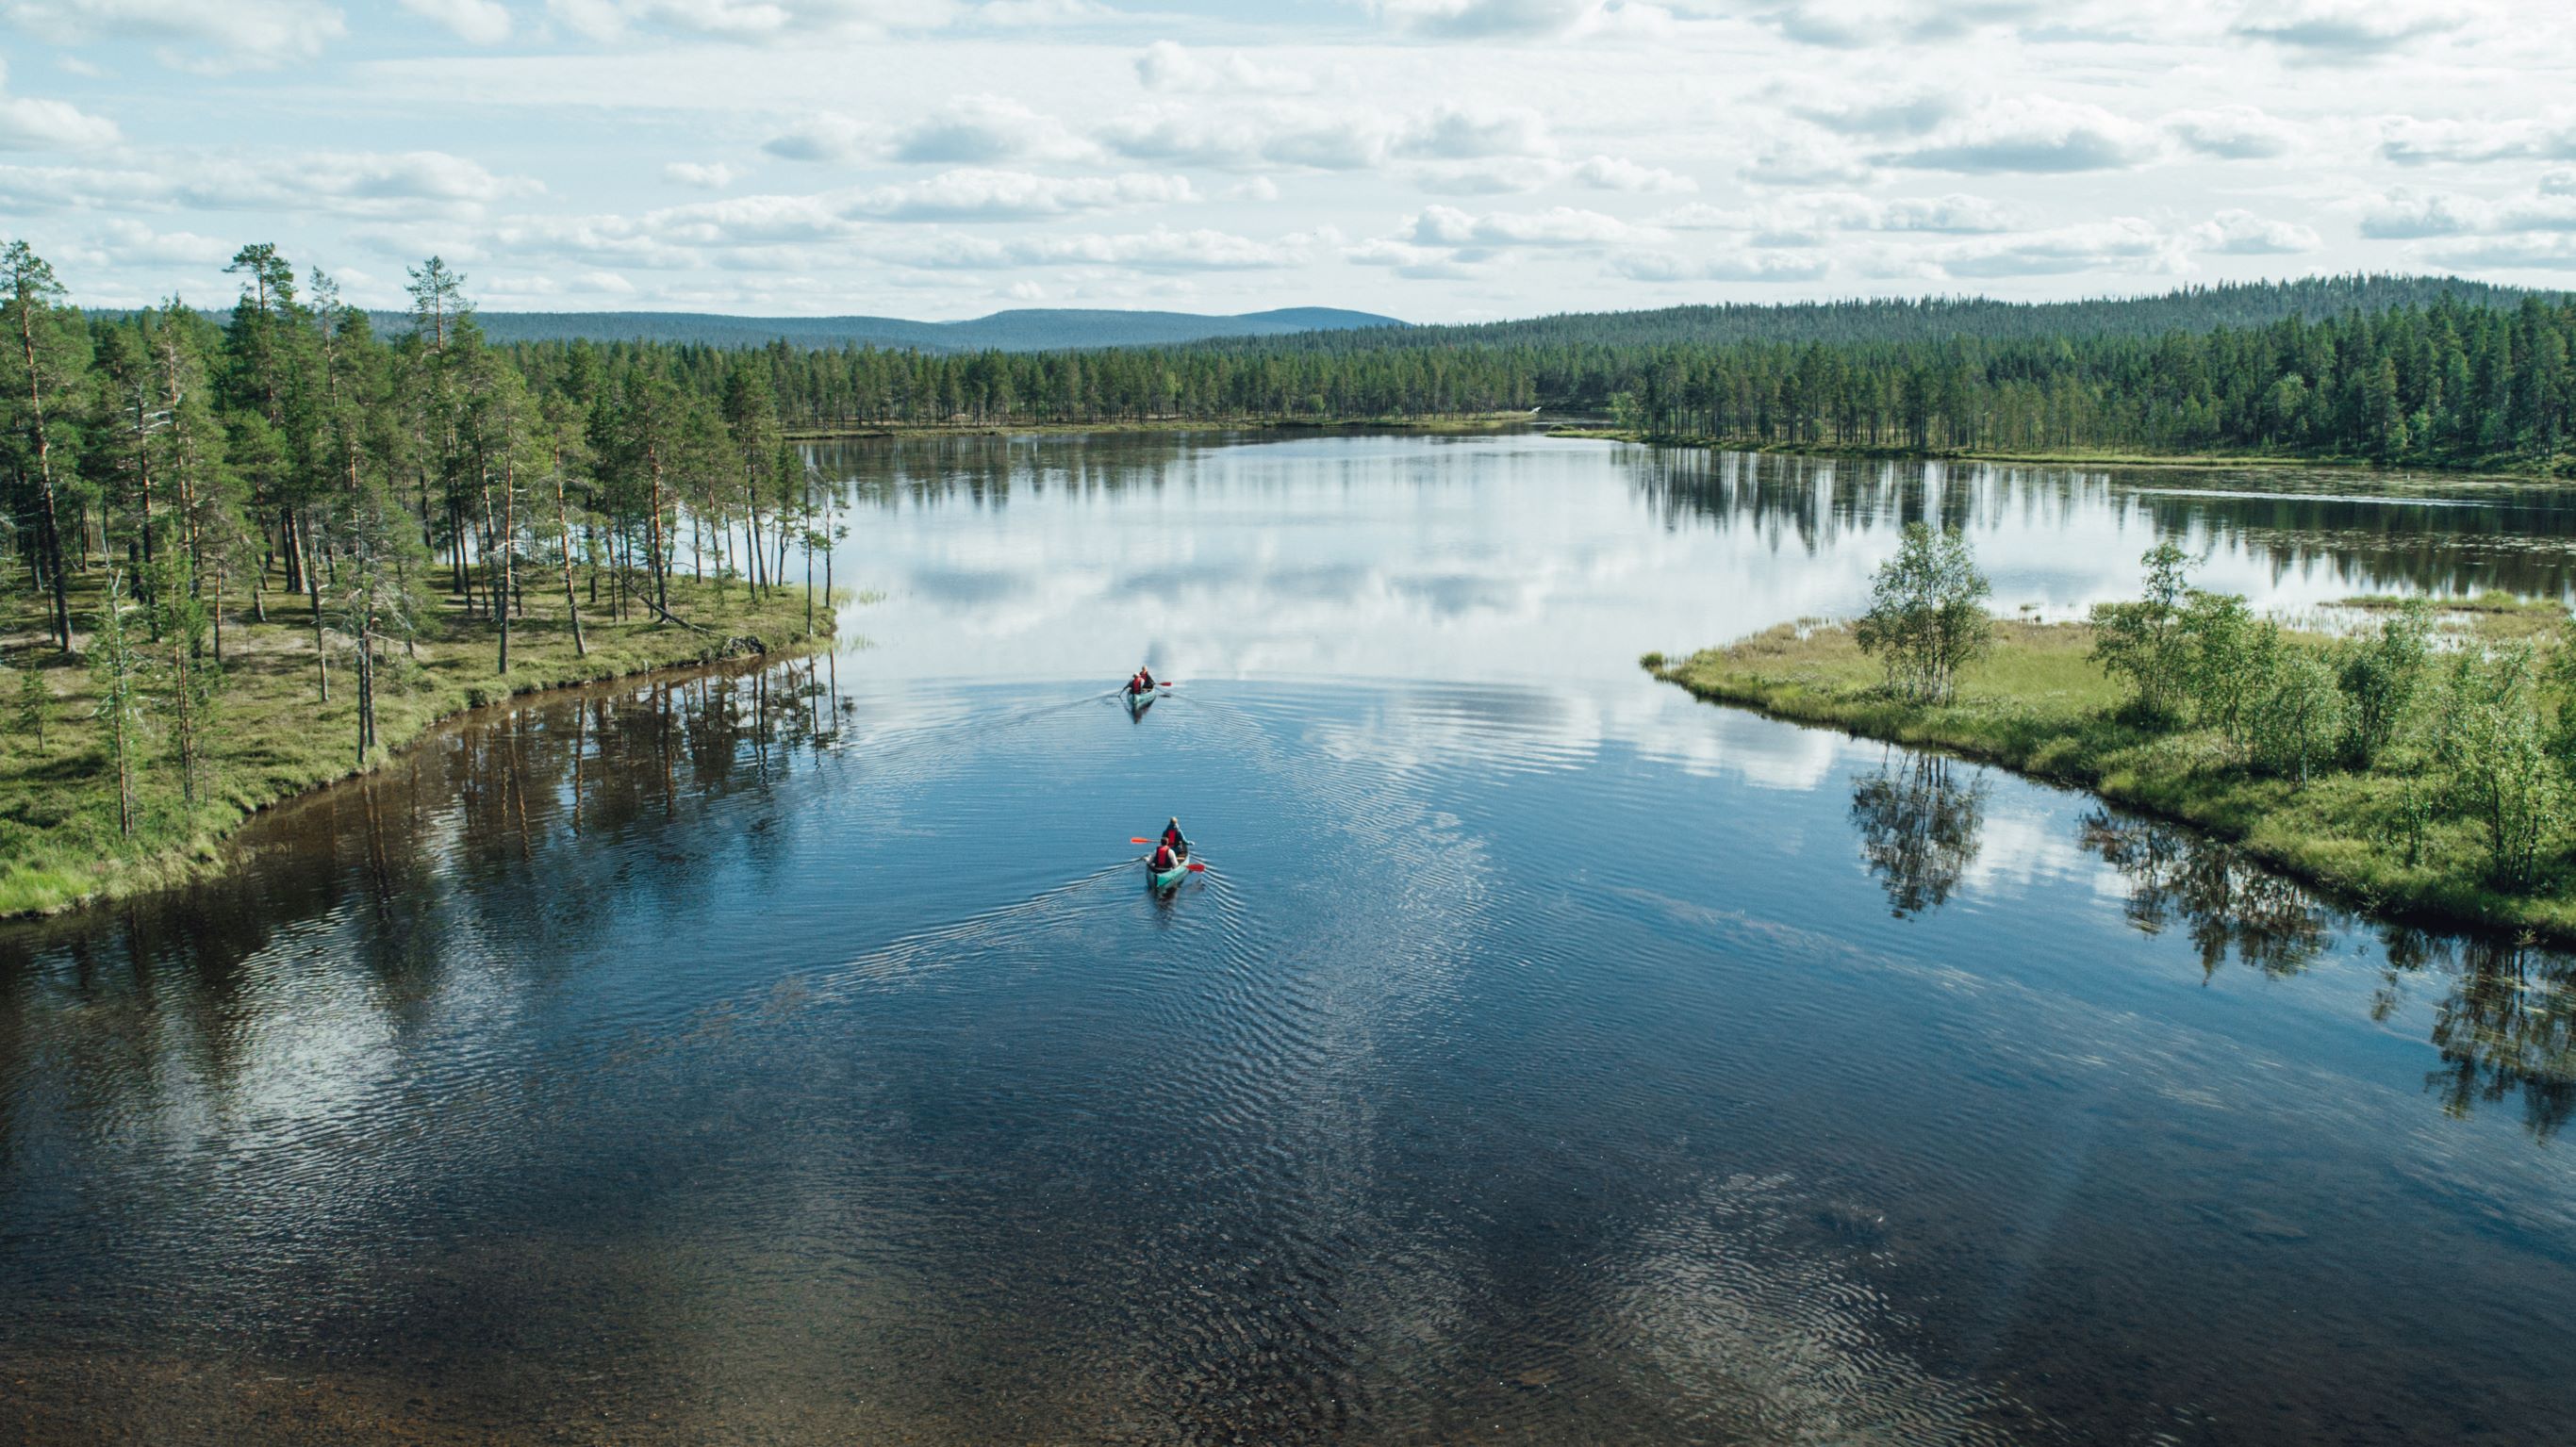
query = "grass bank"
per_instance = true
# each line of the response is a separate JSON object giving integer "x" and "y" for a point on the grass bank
{"x": 273, "y": 737}
{"x": 1460, "y": 422}
{"x": 2039, "y": 705}
{"x": 2072, "y": 457}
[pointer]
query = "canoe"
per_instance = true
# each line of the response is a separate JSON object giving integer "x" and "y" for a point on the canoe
{"x": 1165, "y": 879}
{"x": 1136, "y": 701}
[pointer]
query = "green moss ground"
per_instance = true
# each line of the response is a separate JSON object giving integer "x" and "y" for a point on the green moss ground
{"x": 59, "y": 843}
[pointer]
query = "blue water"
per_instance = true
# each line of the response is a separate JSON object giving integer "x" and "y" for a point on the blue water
{"x": 797, "y": 1054}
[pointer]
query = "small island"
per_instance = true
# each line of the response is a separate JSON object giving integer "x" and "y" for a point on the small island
{"x": 2416, "y": 757}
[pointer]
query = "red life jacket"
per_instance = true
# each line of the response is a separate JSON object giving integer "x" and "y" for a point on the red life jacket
{"x": 1163, "y": 860}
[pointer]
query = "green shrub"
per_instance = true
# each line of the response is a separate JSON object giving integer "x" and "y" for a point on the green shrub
{"x": 2500, "y": 774}
{"x": 2227, "y": 659}
{"x": 2383, "y": 677}
{"x": 2298, "y": 717}
{"x": 2144, "y": 641}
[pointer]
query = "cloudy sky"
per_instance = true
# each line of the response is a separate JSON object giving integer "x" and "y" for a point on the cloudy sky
{"x": 1432, "y": 159}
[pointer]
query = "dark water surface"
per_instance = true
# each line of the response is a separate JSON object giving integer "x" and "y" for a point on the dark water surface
{"x": 795, "y": 1054}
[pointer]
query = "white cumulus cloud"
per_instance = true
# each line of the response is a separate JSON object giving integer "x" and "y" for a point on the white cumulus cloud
{"x": 1160, "y": 249}
{"x": 772, "y": 21}
{"x": 983, "y": 195}
{"x": 1614, "y": 173}
{"x": 2332, "y": 32}
{"x": 1167, "y": 66}
{"x": 1731, "y": 265}
{"x": 477, "y": 22}
{"x": 193, "y": 34}
{"x": 2548, "y": 136}
{"x": 2031, "y": 134}
{"x": 30, "y": 124}
{"x": 1556, "y": 226}
{"x": 706, "y": 176}
{"x": 824, "y": 136}
{"x": 2126, "y": 244}
{"x": 1523, "y": 19}
{"x": 2233, "y": 133}
{"x": 978, "y": 130}
{"x": 2242, "y": 233}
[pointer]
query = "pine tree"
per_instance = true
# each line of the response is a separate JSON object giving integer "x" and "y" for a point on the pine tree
{"x": 116, "y": 671}
{"x": 47, "y": 362}
{"x": 191, "y": 684}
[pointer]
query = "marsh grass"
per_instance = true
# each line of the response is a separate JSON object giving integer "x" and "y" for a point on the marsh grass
{"x": 2039, "y": 705}
{"x": 59, "y": 843}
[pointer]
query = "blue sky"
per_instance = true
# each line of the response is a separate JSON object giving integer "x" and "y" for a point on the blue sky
{"x": 1433, "y": 159}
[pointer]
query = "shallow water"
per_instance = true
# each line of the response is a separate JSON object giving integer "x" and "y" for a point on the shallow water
{"x": 795, "y": 1054}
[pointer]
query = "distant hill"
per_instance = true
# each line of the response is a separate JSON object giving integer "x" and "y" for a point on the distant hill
{"x": 1328, "y": 330}
{"x": 1028, "y": 330}
{"x": 1928, "y": 319}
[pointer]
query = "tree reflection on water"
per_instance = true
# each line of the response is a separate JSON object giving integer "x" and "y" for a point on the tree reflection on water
{"x": 2505, "y": 1028}
{"x": 2225, "y": 904}
{"x": 2504, "y": 1025}
{"x": 452, "y": 840}
{"x": 1919, "y": 829}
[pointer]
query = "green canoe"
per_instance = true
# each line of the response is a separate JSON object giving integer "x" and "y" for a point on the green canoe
{"x": 1136, "y": 701}
{"x": 1165, "y": 879}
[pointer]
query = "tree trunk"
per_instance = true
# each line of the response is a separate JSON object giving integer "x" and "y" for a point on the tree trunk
{"x": 313, "y": 593}
{"x": 509, "y": 546}
{"x": 563, "y": 527}
{"x": 653, "y": 531}
{"x": 53, "y": 538}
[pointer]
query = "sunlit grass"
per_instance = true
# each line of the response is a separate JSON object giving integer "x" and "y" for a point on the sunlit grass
{"x": 2039, "y": 705}
{"x": 59, "y": 842}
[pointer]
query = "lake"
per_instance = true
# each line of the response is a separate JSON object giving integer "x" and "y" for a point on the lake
{"x": 794, "y": 1052}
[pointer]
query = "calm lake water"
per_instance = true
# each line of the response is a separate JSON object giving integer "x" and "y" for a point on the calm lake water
{"x": 795, "y": 1054}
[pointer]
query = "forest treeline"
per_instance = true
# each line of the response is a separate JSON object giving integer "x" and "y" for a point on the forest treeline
{"x": 1862, "y": 320}
{"x": 1846, "y": 322}
{"x": 2451, "y": 382}
{"x": 192, "y": 470}
{"x": 291, "y": 444}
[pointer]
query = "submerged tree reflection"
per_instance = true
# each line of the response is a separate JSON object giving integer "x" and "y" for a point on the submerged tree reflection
{"x": 461, "y": 837}
{"x": 2226, "y": 904}
{"x": 2506, "y": 1027}
{"x": 1919, "y": 829}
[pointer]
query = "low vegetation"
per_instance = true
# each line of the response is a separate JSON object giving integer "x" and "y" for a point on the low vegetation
{"x": 127, "y": 762}
{"x": 2421, "y": 763}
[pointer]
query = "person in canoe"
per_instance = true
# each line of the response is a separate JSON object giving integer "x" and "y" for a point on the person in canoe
{"x": 1165, "y": 861}
{"x": 1172, "y": 836}
{"x": 1143, "y": 682}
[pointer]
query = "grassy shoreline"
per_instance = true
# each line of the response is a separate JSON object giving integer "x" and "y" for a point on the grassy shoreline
{"x": 2069, "y": 457}
{"x": 2039, "y": 706}
{"x": 1459, "y": 422}
{"x": 274, "y": 740}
